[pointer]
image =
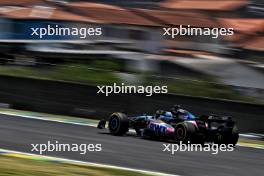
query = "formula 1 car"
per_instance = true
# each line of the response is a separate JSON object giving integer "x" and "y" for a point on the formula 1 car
{"x": 177, "y": 125}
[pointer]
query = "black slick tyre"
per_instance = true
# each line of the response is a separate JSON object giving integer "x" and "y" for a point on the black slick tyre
{"x": 184, "y": 132}
{"x": 118, "y": 124}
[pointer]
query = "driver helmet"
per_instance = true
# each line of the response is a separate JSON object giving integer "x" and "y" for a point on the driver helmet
{"x": 168, "y": 115}
{"x": 159, "y": 113}
{"x": 175, "y": 109}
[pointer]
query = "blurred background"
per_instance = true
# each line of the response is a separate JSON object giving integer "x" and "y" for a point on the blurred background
{"x": 59, "y": 74}
{"x": 132, "y": 48}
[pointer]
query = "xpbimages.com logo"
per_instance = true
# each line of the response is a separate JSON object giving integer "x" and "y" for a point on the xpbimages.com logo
{"x": 197, "y": 31}
{"x": 65, "y": 31}
{"x": 132, "y": 89}
{"x": 56, "y": 146}
{"x": 212, "y": 148}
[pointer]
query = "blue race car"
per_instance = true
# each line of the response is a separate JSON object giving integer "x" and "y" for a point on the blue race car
{"x": 177, "y": 125}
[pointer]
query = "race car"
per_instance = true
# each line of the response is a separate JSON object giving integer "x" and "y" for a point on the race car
{"x": 177, "y": 124}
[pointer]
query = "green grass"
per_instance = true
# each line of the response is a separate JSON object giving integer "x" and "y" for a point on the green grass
{"x": 10, "y": 166}
{"x": 67, "y": 72}
{"x": 201, "y": 88}
{"x": 98, "y": 73}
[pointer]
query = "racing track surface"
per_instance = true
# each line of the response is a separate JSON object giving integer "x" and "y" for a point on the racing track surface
{"x": 18, "y": 133}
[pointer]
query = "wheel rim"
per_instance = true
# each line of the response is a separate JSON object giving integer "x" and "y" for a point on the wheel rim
{"x": 114, "y": 124}
{"x": 180, "y": 133}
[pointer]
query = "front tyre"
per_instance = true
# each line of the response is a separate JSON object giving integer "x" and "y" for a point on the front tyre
{"x": 118, "y": 124}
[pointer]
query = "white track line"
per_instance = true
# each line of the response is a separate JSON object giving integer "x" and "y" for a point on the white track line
{"x": 46, "y": 119}
{"x": 257, "y": 134}
{"x": 252, "y": 135}
{"x": 88, "y": 163}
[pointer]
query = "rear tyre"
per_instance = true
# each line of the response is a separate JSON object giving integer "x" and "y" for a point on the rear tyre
{"x": 228, "y": 137}
{"x": 184, "y": 132}
{"x": 234, "y": 136}
{"x": 118, "y": 124}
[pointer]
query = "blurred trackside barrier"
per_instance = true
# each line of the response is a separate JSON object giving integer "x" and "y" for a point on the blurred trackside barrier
{"x": 82, "y": 100}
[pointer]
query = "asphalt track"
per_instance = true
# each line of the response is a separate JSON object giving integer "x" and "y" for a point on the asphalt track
{"x": 18, "y": 133}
